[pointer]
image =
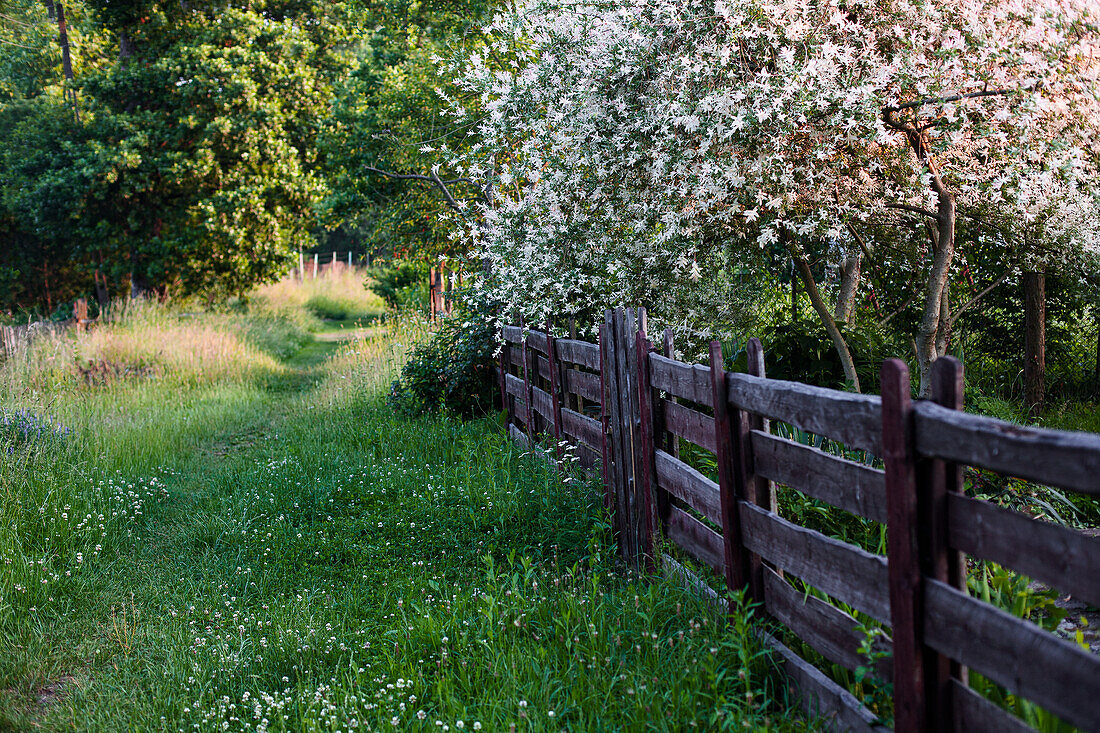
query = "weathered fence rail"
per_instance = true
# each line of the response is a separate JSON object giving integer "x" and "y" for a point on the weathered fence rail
{"x": 627, "y": 407}
{"x": 15, "y": 339}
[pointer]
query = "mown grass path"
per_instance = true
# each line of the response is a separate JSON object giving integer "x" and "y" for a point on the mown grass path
{"x": 296, "y": 556}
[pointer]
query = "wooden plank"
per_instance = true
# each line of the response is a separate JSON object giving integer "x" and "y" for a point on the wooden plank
{"x": 531, "y": 422}
{"x": 1052, "y": 554}
{"x": 845, "y": 572}
{"x": 582, "y": 383}
{"x": 699, "y": 540}
{"x": 1068, "y": 460}
{"x": 519, "y": 436}
{"x": 542, "y": 366}
{"x": 513, "y": 385}
{"x": 633, "y": 321}
{"x": 611, "y": 374}
{"x": 972, "y": 713}
{"x": 536, "y": 340}
{"x": 581, "y": 427}
{"x": 845, "y": 484}
{"x": 733, "y": 529}
{"x": 686, "y": 381}
{"x": 606, "y": 448}
{"x": 672, "y": 442}
{"x": 690, "y": 425}
{"x": 692, "y": 582}
{"x": 513, "y": 334}
{"x": 688, "y": 485}
{"x": 516, "y": 357}
{"x": 903, "y": 521}
{"x": 587, "y": 457}
{"x": 820, "y": 696}
{"x": 579, "y": 352}
{"x": 555, "y": 393}
{"x": 542, "y": 403}
{"x": 832, "y": 632}
{"x": 1048, "y": 670}
{"x": 852, "y": 419}
{"x": 521, "y": 412}
{"x": 647, "y": 482}
{"x": 764, "y": 495}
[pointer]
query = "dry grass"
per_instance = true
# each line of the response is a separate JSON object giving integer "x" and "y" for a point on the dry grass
{"x": 141, "y": 340}
{"x": 339, "y": 296}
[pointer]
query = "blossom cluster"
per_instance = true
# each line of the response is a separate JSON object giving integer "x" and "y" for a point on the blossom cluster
{"x": 632, "y": 149}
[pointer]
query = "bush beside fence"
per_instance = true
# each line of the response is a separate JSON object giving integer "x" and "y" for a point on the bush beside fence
{"x": 625, "y": 407}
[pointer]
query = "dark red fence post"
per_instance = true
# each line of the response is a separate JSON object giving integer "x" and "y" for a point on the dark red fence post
{"x": 733, "y": 547}
{"x": 555, "y": 393}
{"x": 903, "y": 549}
{"x": 648, "y": 488}
{"x": 527, "y": 388}
{"x": 935, "y": 480}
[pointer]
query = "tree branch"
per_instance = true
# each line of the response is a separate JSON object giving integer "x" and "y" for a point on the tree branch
{"x": 979, "y": 296}
{"x": 435, "y": 180}
{"x": 914, "y": 210}
{"x": 959, "y": 97}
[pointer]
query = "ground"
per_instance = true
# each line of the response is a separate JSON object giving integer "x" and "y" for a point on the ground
{"x": 231, "y": 537}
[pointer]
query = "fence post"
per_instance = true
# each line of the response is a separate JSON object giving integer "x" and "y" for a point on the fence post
{"x": 505, "y": 366}
{"x": 80, "y": 314}
{"x": 618, "y": 425}
{"x": 732, "y": 545}
{"x": 632, "y": 320}
{"x": 606, "y": 442}
{"x": 314, "y": 265}
{"x": 747, "y": 486}
{"x": 555, "y": 393}
{"x": 765, "y": 489}
{"x": 903, "y": 549}
{"x": 945, "y": 564}
{"x": 527, "y": 388}
{"x": 645, "y": 441}
{"x": 672, "y": 441}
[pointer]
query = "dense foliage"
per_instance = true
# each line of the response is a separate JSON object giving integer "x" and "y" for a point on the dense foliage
{"x": 196, "y": 147}
{"x": 452, "y": 371}
{"x": 636, "y": 150}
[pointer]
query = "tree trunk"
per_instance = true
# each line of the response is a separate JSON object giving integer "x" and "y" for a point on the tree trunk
{"x": 794, "y": 294}
{"x": 101, "y": 294}
{"x": 1035, "y": 363}
{"x": 1096, "y": 367}
{"x": 849, "y": 287}
{"x": 943, "y": 251}
{"x": 66, "y": 59}
{"x": 943, "y": 332}
{"x": 823, "y": 313}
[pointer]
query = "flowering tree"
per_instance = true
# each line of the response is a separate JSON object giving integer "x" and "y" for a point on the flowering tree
{"x": 636, "y": 149}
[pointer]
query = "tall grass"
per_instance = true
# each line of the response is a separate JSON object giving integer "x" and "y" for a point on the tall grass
{"x": 238, "y": 540}
{"x": 340, "y": 296}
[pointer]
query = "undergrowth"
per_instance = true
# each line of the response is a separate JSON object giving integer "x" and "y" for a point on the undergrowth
{"x": 244, "y": 537}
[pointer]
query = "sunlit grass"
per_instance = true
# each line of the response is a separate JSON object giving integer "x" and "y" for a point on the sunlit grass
{"x": 236, "y": 540}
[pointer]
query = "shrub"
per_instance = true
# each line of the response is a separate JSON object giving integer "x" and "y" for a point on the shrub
{"x": 452, "y": 370}
{"x": 400, "y": 283}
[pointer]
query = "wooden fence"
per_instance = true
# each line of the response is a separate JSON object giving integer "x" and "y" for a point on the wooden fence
{"x": 626, "y": 407}
{"x": 16, "y": 339}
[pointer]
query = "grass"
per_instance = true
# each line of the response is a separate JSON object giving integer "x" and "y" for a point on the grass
{"x": 237, "y": 533}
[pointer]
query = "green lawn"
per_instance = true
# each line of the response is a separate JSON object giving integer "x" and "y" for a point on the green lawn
{"x": 239, "y": 534}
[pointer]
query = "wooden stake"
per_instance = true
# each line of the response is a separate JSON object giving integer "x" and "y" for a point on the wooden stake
{"x": 647, "y": 486}
{"x": 935, "y": 480}
{"x": 903, "y": 517}
{"x": 734, "y": 556}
